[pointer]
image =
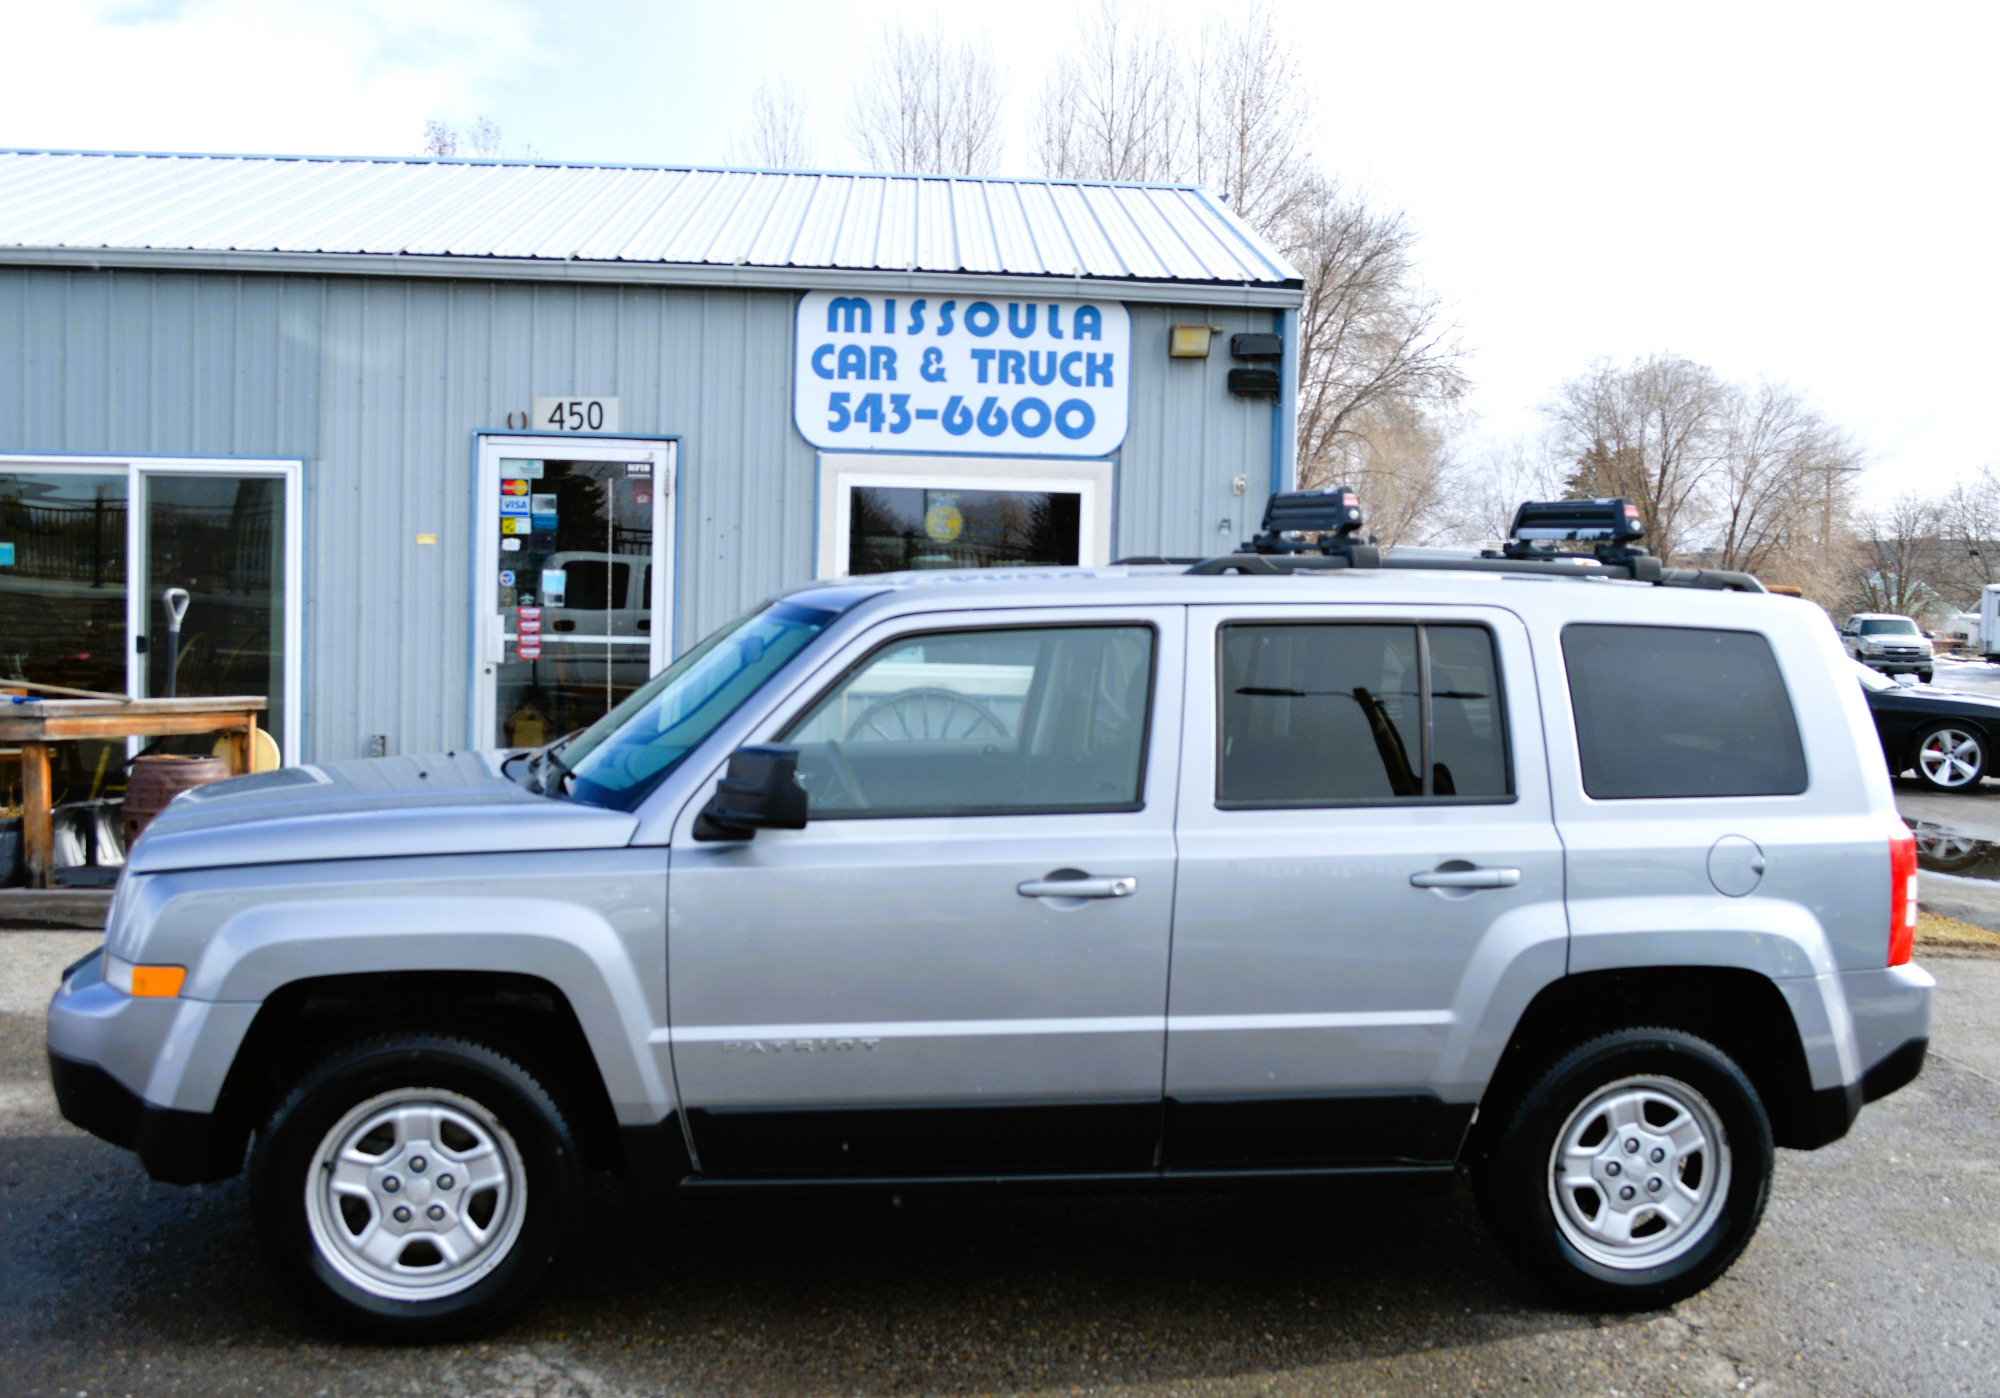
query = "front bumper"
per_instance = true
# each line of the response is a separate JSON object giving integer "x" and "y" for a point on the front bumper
{"x": 1899, "y": 664}
{"x": 175, "y": 1147}
{"x": 101, "y": 1042}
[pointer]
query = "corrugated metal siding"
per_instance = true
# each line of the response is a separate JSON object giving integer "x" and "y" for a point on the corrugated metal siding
{"x": 621, "y": 214}
{"x": 380, "y": 385}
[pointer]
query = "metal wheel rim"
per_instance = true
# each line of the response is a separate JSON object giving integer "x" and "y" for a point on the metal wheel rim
{"x": 1639, "y": 1172}
{"x": 1949, "y": 757}
{"x": 440, "y": 1158}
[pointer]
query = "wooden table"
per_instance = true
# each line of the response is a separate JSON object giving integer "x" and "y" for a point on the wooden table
{"x": 39, "y": 722}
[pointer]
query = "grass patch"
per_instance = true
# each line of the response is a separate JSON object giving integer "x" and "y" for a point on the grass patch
{"x": 1947, "y": 936}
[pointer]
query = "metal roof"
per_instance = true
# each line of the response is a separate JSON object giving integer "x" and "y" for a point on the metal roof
{"x": 474, "y": 215}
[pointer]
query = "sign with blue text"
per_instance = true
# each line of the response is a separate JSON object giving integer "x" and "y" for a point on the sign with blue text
{"x": 986, "y": 374}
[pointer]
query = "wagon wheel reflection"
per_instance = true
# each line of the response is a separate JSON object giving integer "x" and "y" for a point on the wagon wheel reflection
{"x": 927, "y": 715}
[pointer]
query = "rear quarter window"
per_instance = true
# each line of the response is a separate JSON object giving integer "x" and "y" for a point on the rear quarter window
{"x": 1668, "y": 711}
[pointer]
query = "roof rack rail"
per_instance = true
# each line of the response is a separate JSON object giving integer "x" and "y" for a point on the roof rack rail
{"x": 1335, "y": 516}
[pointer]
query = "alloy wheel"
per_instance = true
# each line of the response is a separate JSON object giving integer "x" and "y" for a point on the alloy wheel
{"x": 415, "y": 1194}
{"x": 1639, "y": 1172}
{"x": 1949, "y": 757}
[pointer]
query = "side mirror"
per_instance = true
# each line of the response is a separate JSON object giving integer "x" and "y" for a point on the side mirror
{"x": 760, "y": 792}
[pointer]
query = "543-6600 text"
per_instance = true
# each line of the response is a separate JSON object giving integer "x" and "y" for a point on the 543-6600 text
{"x": 1027, "y": 416}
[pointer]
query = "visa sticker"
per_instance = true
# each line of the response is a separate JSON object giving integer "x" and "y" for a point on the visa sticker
{"x": 513, "y": 505}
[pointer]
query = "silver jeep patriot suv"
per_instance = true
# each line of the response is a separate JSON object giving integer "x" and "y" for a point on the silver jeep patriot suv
{"x": 1568, "y": 871}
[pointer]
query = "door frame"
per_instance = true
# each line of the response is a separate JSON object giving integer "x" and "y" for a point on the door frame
{"x": 136, "y": 470}
{"x": 488, "y": 637}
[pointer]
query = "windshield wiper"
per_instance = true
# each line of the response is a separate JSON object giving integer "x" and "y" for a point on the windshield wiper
{"x": 547, "y": 758}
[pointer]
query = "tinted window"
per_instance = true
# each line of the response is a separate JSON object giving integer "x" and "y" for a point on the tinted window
{"x": 983, "y": 723}
{"x": 1333, "y": 715}
{"x": 1892, "y": 626}
{"x": 1672, "y": 711}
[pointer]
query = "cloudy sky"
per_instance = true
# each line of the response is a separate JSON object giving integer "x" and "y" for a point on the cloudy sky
{"x": 1803, "y": 192}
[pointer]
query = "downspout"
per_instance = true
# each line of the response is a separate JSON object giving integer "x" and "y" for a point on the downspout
{"x": 1285, "y": 410}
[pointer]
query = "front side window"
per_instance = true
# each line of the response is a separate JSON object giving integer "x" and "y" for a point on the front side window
{"x": 991, "y": 722}
{"x": 1340, "y": 714}
{"x": 1668, "y": 711}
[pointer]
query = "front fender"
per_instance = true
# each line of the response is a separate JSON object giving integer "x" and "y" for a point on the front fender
{"x": 262, "y": 948}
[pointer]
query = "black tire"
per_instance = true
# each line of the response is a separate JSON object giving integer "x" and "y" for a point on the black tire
{"x": 1516, "y": 1183}
{"x": 1968, "y": 748}
{"x": 524, "y": 1132}
{"x": 1924, "y": 675}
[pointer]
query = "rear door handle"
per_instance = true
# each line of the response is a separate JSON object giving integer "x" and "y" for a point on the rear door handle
{"x": 1466, "y": 878}
{"x": 1119, "y": 887}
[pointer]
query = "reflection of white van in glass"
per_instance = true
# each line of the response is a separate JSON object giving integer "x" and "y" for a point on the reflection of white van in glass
{"x": 603, "y": 594}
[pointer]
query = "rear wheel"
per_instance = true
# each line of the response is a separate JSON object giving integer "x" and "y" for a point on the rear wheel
{"x": 414, "y": 1186}
{"x": 1633, "y": 1173}
{"x": 1950, "y": 757}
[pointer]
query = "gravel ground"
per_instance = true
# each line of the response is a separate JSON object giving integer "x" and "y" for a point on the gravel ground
{"x": 1877, "y": 1271}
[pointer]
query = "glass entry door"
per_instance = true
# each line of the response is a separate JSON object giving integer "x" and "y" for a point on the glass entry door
{"x": 220, "y": 539}
{"x": 575, "y": 582}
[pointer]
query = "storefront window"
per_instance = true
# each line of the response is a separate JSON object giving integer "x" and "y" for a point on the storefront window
{"x": 892, "y": 528}
{"x": 888, "y": 514}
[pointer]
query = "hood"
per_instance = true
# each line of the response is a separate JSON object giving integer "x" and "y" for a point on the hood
{"x": 384, "y": 807}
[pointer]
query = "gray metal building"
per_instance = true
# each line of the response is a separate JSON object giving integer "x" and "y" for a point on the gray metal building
{"x": 432, "y": 444}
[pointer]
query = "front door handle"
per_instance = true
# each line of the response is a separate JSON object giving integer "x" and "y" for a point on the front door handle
{"x": 1466, "y": 876}
{"x": 1117, "y": 887}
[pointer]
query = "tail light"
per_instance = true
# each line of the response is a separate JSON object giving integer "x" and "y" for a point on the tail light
{"x": 1902, "y": 895}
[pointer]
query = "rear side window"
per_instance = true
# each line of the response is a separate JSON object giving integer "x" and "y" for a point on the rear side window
{"x": 1664, "y": 711}
{"x": 1347, "y": 714}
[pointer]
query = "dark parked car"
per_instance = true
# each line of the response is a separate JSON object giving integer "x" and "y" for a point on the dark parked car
{"x": 1944, "y": 738}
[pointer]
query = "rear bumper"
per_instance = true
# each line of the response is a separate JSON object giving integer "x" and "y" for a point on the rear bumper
{"x": 176, "y": 1147}
{"x": 1835, "y": 1108}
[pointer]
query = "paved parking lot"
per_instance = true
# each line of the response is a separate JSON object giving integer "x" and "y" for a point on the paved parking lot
{"x": 1877, "y": 1271}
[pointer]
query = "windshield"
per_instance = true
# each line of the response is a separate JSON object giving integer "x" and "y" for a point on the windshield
{"x": 1871, "y": 679}
{"x": 624, "y": 755}
{"x": 1890, "y": 626}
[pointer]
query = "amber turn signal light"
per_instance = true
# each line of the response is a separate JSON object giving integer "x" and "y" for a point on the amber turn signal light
{"x": 158, "y": 980}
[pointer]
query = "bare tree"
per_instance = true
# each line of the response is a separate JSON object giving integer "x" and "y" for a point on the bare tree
{"x": 1111, "y": 106}
{"x": 1783, "y": 505}
{"x": 778, "y": 137}
{"x": 1654, "y": 431}
{"x": 1373, "y": 341}
{"x": 1406, "y": 470}
{"x": 928, "y": 104}
{"x": 1251, "y": 114}
{"x": 1897, "y": 546}
{"x": 481, "y": 140}
{"x": 1969, "y": 538}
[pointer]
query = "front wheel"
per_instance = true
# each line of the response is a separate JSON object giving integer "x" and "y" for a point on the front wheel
{"x": 1633, "y": 1173}
{"x": 414, "y": 1186}
{"x": 1950, "y": 757}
